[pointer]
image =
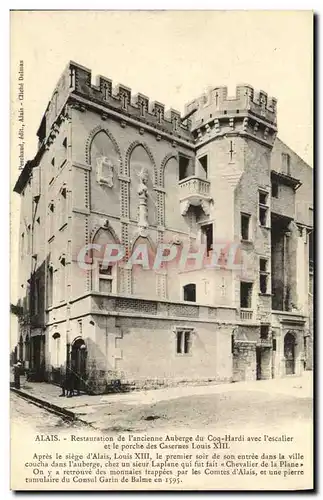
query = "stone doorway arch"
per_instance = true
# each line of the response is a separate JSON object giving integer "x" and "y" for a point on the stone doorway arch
{"x": 79, "y": 363}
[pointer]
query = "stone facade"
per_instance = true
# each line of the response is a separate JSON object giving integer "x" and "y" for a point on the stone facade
{"x": 112, "y": 168}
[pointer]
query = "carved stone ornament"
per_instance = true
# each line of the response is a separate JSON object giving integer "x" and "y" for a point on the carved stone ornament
{"x": 104, "y": 171}
{"x": 176, "y": 240}
{"x": 143, "y": 194}
{"x": 184, "y": 206}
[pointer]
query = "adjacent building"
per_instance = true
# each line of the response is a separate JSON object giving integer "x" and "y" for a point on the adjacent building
{"x": 113, "y": 169}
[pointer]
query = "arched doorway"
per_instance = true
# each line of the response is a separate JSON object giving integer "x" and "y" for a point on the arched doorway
{"x": 289, "y": 353}
{"x": 78, "y": 362}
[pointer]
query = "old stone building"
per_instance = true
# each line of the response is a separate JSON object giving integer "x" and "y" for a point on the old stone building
{"x": 216, "y": 184}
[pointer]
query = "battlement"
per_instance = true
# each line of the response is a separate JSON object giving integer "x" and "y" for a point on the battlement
{"x": 205, "y": 112}
{"x": 215, "y": 103}
{"x": 76, "y": 80}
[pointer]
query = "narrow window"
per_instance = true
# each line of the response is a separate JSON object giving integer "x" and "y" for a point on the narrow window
{"x": 263, "y": 265}
{"x": 263, "y": 275}
{"x": 179, "y": 336}
{"x": 263, "y": 216}
{"x": 105, "y": 278}
{"x": 263, "y": 283}
{"x": 183, "y": 341}
{"x": 263, "y": 208}
{"x": 245, "y": 294}
{"x": 187, "y": 342}
{"x": 56, "y": 357}
{"x": 184, "y": 167}
{"x": 245, "y": 223}
{"x": 65, "y": 142}
{"x": 263, "y": 198}
{"x": 286, "y": 163}
{"x": 204, "y": 164}
{"x": 207, "y": 237}
{"x": 264, "y": 331}
{"x": 190, "y": 292}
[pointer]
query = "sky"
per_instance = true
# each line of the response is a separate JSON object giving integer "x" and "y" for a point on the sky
{"x": 170, "y": 56}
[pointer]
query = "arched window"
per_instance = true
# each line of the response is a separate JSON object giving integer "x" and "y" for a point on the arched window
{"x": 56, "y": 349}
{"x": 104, "y": 273}
{"x": 140, "y": 161}
{"x": 105, "y": 162}
{"x": 189, "y": 292}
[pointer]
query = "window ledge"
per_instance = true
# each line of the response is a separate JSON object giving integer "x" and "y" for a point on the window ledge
{"x": 248, "y": 242}
{"x": 264, "y": 227}
{"x": 265, "y": 294}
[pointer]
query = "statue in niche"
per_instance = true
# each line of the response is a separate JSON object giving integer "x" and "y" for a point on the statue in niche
{"x": 105, "y": 169}
{"x": 143, "y": 197}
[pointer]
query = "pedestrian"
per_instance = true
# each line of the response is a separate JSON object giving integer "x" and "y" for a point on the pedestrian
{"x": 70, "y": 384}
{"x": 17, "y": 373}
{"x": 76, "y": 383}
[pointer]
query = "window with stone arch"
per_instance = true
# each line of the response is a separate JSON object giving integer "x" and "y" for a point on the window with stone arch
{"x": 105, "y": 273}
{"x": 56, "y": 338}
{"x": 105, "y": 168}
{"x": 141, "y": 172}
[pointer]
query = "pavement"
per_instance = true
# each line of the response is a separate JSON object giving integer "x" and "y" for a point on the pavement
{"x": 119, "y": 410}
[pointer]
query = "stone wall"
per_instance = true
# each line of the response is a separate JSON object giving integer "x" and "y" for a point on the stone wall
{"x": 244, "y": 361}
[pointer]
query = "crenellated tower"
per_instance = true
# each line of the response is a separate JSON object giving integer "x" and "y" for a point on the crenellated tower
{"x": 250, "y": 114}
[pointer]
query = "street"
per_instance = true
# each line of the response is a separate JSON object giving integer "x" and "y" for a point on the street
{"x": 263, "y": 405}
{"x": 33, "y": 418}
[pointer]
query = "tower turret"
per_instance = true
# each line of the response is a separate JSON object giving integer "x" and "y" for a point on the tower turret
{"x": 249, "y": 113}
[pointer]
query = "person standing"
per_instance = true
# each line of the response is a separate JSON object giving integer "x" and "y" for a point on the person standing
{"x": 17, "y": 372}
